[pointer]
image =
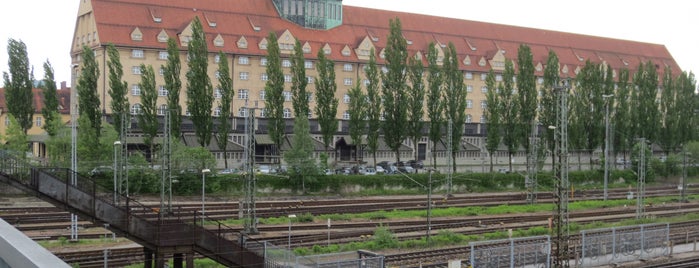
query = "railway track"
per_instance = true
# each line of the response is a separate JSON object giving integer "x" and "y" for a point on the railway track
{"x": 35, "y": 219}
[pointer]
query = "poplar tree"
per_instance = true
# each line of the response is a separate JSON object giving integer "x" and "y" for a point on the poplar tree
{"x": 393, "y": 90}
{"x": 18, "y": 84}
{"x": 621, "y": 118}
{"x": 644, "y": 106}
{"x": 455, "y": 99}
{"x": 669, "y": 115}
{"x": 225, "y": 86}
{"x": 199, "y": 89}
{"x": 435, "y": 104}
{"x": 274, "y": 88}
{"x": 509, "y": 111}
{"x": 373, "y": 105}
{"x": 586, "y": 127}
{"x": 687, "y": 106}
{"x": 527, "y": 99}
{"x": 88, "y": 99}
{"x": 357, "y": 122}
{"x": 548, "y": 108}
{"x": 300, "y": 156}
{"x": 50, "y": 109}
{"x": 415, "y": 102}
{"x": 148, "y": 117}
{"x": 117, "y": 89}
{"x": 173, "y": 84}
{"x": 492, "y": 117}
{"x": 326, "y": 107}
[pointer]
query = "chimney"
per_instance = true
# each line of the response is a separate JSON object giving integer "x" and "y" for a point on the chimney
{"x": 64, "y": 85}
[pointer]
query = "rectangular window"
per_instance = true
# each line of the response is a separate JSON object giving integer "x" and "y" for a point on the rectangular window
{"x": 263, "y": 61}
{"x": 308, "y": 64}
{"x": 469, "y": 88}
{"x": 162, "y": 91}
{"x": 348, "y": 81}
{"x": 162, "y": 55}
{"x": 286, "y": 63}
{"x": 484, "y": 89}
{"x": 242, "y": 94}
{"x": 310, "y": 79}
{"x": 217, "y": 58}
{"x": 264, "y": 77}
{"x": 484, "y": 104}
{"x": 136, "y": 70}
{"x": 469, "y": 104}
{"x": 244, "y": 75}
{"x": 498, "y": 77}
{"x": 137, "y": 53}
{"x": 347, "y": 67}
{"x": 136, "y": 90}
{"x": 161, "y": 71}
{"x": 262, "y": 95}
{"x": 38, "y": 121}
{"x": 468, "y": 75}
{"x": 287, "y": 78}
{"x": 346, "y": 98}
{"x": 287, "y": 95}
{"x": 484, "y": 76}
{"x": 244, "y": 60}
{"x": 217, "y": 93}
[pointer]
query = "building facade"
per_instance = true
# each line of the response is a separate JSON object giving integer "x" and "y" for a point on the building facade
{"x": 346, "y": 34}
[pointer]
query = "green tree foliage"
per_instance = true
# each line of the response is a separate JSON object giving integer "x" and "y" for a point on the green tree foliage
{"x": 326, "y": 107}
{"x": 274, "y": 89}
{"x": 526, "y": 93}
{"x": 455, "y": 96}
{"x": 587, "y": 109}
{"x": 669, "y": 116}
{"x": 300, "y": 156}
{"x": 621, "y": 117}
{"x": 393, "y": 90}
{"x": 88, "y": 99}
{"x": 547, "y": 110}
{"x": 357, "y": 122}
{"x": 492, "y": 117}
{"x": 173, "y": 84}
{"x": 188, "y": 157}
{"x": 645, "y": 113}
{"x": 373, "y": 105}
{"x": 18, "y": 84}
{"x": 15, "y": 138}
{"x": 435, "y": 104}
{"x": 117, "y": 89}
{"x": 509, "y": 111}
{"x": 148, "y": 118}
{"x": 299, "y": 82}
{"x": 225, "y": 86}
{"x": 199, "y": 89}
{"x": 50, "y": 109}
{"x": 687, "y": 107}
{"x": 58, "y": 145}
{"x": 415, "y": 101}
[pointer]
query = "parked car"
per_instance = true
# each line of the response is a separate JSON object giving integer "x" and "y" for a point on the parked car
{"x": 416, "y": 164}
{"x": 380, "y": 170}
{"x": 384, "y": 164}
{"x": 264, "y": 169}
{"x": 369, "y": 171}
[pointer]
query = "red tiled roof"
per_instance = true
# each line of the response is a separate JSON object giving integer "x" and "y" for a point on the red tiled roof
{"x": 38, "y": 100}
{"x": 116, "y": 19}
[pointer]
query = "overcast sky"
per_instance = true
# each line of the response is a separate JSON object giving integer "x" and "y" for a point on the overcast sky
{"x": 46, "y": 26}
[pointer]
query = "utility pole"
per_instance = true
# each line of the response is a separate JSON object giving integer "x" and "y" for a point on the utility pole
{"x": 249, "y": 213}
{"x": 561, "y": 217}
{"x": 531, "y": 180}
{"x": 641, "y": 185}
{"x": 683, "y": 191}
{"x": 166, "y": 174}
{"x": 606, "y": 143}
{"x": 450, "y": 157}
{"x": 74, "y": 147}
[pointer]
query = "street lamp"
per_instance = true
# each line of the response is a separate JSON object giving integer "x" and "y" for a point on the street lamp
{"x": 291, "y": 216}
{"x": 203, "y": 192}
{"x": 116, "y": 144}
{"x": 606, "y": 142}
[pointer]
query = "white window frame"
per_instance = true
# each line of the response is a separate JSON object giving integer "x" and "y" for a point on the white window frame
{"x": 244, "y": 75}
{"x": 286, "y": 95}
{"x": 347, "y": 67}
{"x": 244, "y": 60}
{"x": 346, "y": 98}
{"x": 286, "y": 113}
{"x": 308, "y": 64}
{"x": 163, "y": 55}
{"x": 162, "y": 91}
{"x": 242, "y": 94}
{"x": 347, "y": 82}
{"x": 286, "y": 63}
{"x": 135, "y": 90}
{"x": 137, "y": 53}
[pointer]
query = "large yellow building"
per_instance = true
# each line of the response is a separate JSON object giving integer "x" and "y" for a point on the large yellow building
{"x": 140, "y": 30}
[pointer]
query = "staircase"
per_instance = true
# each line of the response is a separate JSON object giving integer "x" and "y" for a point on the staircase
{"x": 155, "y": 231}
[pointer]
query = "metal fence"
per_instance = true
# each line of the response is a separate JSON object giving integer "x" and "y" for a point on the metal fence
{"x": 279, "y": 257}
{"x": 516, "y": 252}
{"x": 623, "y": 244}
